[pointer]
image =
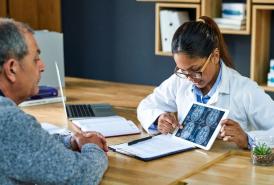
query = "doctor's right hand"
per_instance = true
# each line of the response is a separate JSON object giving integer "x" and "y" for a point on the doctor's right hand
{"x": 167, "y": 123}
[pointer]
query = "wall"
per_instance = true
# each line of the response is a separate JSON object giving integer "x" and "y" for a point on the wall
{"x": 114, "y": 40}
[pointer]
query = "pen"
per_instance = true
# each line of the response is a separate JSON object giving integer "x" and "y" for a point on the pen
{"x": 139, "y": 140}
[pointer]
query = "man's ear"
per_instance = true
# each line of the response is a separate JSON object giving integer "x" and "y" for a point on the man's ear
{"x": 9, "y": 69}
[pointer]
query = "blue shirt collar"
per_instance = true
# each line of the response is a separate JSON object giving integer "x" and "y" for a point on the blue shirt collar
{"x": 198, "y": 92}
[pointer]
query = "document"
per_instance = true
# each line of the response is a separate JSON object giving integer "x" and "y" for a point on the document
{"x": 53, "y": 129}
{"x": 153, "y": 148}
{"x": 200, "y": 129}
{"x": 108, "y": 126}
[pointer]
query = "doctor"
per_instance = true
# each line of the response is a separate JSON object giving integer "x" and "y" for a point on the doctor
{"x": 204, "y": 73}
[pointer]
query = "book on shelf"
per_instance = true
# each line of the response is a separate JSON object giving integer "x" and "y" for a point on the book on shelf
{"x": 233, "y": 27}
{"x": 234, "y": 10}
{"x": 229, "y": 21}
{"x": 170, "y": 20}
{"x": 270, "y": 75}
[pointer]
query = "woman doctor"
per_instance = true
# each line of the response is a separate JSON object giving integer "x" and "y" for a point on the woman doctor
{"x": 204, "y": 73}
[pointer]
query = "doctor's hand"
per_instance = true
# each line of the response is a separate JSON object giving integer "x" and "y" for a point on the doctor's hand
{"x": 90, "y": 137}
{"x": 167, "y": 123}
{"x": 231, "y": 131}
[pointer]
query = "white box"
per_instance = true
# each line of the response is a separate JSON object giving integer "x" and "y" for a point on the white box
{"x": 51, "y": 46}
{"x": 169, "y": 23}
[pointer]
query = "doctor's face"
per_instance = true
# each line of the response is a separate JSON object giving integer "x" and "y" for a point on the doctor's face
{"x": 202, "y": 72}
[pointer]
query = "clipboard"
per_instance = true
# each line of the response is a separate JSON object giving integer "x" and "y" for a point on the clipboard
{"x": 152, "y": 147}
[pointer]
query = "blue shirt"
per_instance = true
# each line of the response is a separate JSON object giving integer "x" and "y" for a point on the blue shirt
{"x": 199, "y": 95}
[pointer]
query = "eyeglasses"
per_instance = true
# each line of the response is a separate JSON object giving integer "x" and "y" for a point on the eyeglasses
{"x": 192, "y": 74}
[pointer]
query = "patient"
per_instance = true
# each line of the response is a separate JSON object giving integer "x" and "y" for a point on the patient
{"x": 29, "y": 155}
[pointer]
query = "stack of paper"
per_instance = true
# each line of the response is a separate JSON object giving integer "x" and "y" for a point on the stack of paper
{"x": 228, "y": 23}
{"x": 233, "y": 16}
{"x": 108, "y": 126}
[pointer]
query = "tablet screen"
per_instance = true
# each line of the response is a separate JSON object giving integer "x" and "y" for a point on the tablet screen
{"x": 201, "y": 125}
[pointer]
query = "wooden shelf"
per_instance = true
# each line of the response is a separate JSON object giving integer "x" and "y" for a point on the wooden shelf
{"x": 260, "y": 44}
{"x": 267, "y": 88}
{"x": 3, "y": 8}
{"x": 171, "y": 1}
{"x": 160, "y": 6}
{"x": 212, "y": 8}
{"x": 263, "y": 1}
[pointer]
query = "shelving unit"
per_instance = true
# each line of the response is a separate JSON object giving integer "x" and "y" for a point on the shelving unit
{"x": 172, "y": 1}
{"x": 258, "y": 10}
{"x": 191, "y": 8}
{"x": 260, "y": 45}
{"x": 212, "y": 8}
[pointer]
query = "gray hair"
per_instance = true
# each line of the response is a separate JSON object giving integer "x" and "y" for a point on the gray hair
{"x": 12, "y": 40}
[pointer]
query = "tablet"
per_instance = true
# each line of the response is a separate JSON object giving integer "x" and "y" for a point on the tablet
{"x": 201, "y": 125}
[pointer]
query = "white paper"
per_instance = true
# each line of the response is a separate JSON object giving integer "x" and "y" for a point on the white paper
{"x": 108, "y": 126}
{"x": 53, "y": 129}
{"x": 156, "y": 146}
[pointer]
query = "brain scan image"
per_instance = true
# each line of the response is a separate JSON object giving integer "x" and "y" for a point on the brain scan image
{"x": 200, "y": 124}
{"x": 202, "y": 135}
{"x": 197, "y": 113}
{"x": 188, "y": 130}
{"x": 212, "y": 118}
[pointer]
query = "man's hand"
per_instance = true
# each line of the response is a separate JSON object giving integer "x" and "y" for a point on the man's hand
{"x": 79, "y": 139}
{"x": 231, "y": 131}
{"x": 167, "y": 123}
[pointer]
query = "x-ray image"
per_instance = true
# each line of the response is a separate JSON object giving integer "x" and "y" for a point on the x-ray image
{"x": 200, "y": 124}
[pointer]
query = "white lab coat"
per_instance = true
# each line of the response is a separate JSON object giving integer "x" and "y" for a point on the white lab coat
{"x": 248, "y": 104}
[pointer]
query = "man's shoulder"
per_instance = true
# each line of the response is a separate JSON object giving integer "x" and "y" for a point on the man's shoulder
{"x": 10, "y": 114}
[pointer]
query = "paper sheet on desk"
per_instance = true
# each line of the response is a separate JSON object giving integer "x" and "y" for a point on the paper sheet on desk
{"x": 53, "y": 129}
{"x": 108, "y": 126}
{"x": 156, "y": 147}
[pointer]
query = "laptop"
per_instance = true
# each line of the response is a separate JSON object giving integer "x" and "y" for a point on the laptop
{"x": 83, "y": 111}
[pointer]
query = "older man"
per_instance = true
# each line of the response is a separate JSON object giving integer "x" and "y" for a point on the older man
{"x": 29, "y": 155}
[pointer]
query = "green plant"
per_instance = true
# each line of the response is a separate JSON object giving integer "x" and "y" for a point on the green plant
{"x": 262, "y": 149}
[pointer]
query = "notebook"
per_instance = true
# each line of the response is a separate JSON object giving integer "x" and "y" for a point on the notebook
{"x": 80, "y": 111}
{"x": 108, "y": 126}
{"x": 200, "y": 129}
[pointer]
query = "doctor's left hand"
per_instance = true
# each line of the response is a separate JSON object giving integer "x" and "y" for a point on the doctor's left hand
{"x": 231, "y": 131}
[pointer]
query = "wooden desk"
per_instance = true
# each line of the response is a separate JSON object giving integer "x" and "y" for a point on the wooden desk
{"x": 223, "y": 164}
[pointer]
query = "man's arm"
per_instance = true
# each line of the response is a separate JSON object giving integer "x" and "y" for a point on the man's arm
{"x": 30, "y": 154}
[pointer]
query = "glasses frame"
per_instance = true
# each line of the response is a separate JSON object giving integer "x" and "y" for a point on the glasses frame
{"x": 192, "y": 74}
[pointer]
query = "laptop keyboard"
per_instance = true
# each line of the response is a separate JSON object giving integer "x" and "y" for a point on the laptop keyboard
{"x": 78, "y": 111}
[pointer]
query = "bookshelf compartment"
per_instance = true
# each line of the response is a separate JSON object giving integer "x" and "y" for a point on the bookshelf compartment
{"x": 260, "y": 45}
{"x": 213, "y": 9}
{"x": 172, "y": 1}
{"x": 192, "y": 9}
